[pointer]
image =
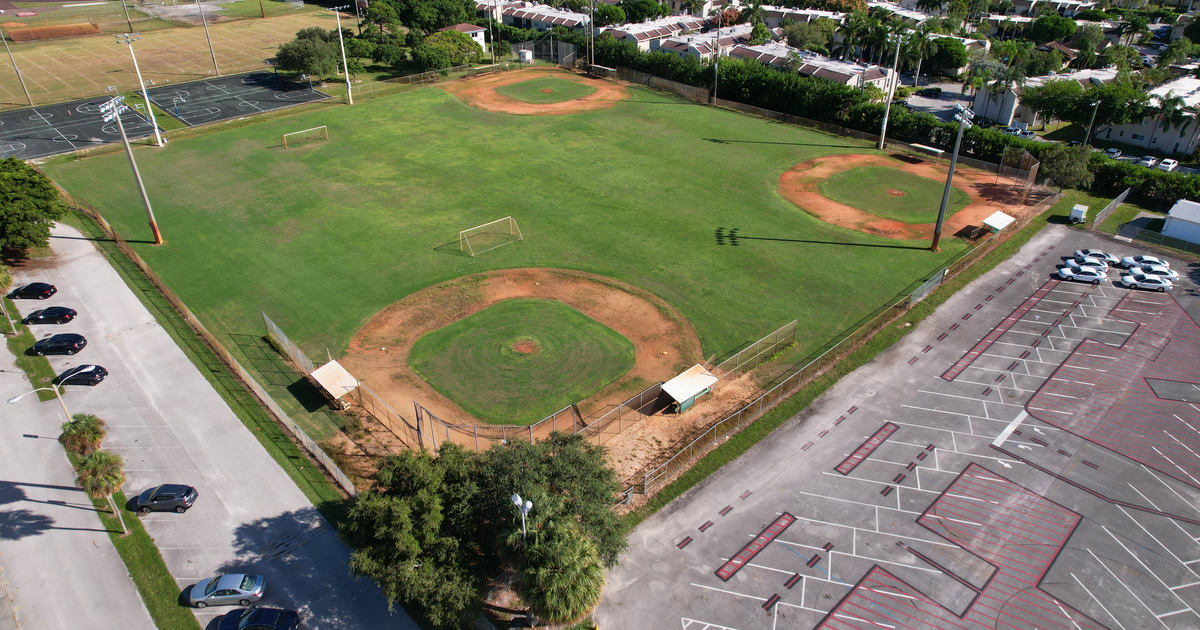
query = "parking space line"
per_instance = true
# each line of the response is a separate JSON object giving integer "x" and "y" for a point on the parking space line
{"x": 925, "y": 391}
{"x": 1168, "y": 486}
{"x": 1101, "y": 604}
{"x": 1150, "y": 571}
{"x": 1160, "y": 543}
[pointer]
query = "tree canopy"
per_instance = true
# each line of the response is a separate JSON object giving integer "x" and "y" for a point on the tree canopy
{"x": 951, "y": 54}
{"x": 430, "y": 15}
{"x": 29, "y": 205}
{"x": 314, "y": 52}
{"x": 1120, "y": 102}
{"x": 608, "y": 15}
{"x": 1066, "y": 166}
{"x": 642, "y": 10}
{"x": 1051, "y": 28}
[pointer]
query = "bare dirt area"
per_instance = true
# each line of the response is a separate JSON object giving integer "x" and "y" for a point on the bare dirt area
{"x": 481, "y": 93}
{"x": 988, "y": 194}
{"x": 664, "y": 343}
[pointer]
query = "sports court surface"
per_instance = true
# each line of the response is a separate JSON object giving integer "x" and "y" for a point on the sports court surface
{"x": 1028, "y": 457}
{"x": 52, "y": 129}
{"x": 231, "y": 97}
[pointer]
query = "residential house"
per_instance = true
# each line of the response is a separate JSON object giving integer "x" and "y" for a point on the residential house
{"x": 1150, "y": 134}
{"x": 776, "y": 15}
{"x": 470, "y": 30}
{"x": 911, "y": 14}
{"x": 1068, "y": 54}
{"x": 704, "y": 46}
{"x": 647, "y": 35}
{"x": 811, "y": 64}
{"x": 492, "y": 8}
{"x": 1006, "y": 109}
{"x": 542, "y": 18}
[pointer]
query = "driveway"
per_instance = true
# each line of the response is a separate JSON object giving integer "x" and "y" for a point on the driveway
{"x": 172, "y": 427}
{"x": 942, "y": 105}
{"x": 58, "y": 568}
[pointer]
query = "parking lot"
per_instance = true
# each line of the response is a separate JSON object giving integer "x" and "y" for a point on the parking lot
{"x": 1002, "y": 466}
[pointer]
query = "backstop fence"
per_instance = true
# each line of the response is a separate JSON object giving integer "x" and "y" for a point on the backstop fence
{"x": 546, "y": 49}
{"x": 1102, "y": 216}
{"x": 750, "y": 357}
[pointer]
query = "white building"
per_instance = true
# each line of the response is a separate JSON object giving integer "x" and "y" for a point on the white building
{"x": 1150, "y": 134}
{"x": 492, "y": 8}
{"x": 647, "y": 35}
{"x": 703, "y": 46}
{"x": 542, "y": 18}
{"x": 1183, "y": 221}
{"x": 470, "y": 30}
{"x": 1006, "y": 108}
{"x": 677, "y": 8}
{"x": 776, "y": 15}
{"x": 911, "y": 13}
{"x": 843, "y": 72}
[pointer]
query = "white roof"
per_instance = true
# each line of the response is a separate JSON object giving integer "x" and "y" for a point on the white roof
{"x": 1083, "y": 77}
{"x": 1186, "y": 87}
{"x": 998, "y": 221}
{"x": 690, "y": 383}
{"x": 912, "y": 14}
{"x": 334, "y": 379}
{"x": 1185, "y": 210}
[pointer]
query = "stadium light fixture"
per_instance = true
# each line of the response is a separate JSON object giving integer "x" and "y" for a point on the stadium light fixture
{"x": 111, "y": 110}
{"x": 211, "y": 52}
{"x": 4, "y": 37}
{"x": 129, "y": 39}
{"x": 963, "y": 117}
{"x": 524, "y": 507}
{"x": 337, "y": 12}
{"x": 898, "y": 38}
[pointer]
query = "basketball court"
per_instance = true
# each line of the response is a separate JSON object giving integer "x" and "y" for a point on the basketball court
{"x": 230, "y": 97}
{"x": 52, "y": 129}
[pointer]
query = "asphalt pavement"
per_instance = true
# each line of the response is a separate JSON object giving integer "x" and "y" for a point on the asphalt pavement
{"x": 172, "y": 427}
{"x": 58, "y": 567}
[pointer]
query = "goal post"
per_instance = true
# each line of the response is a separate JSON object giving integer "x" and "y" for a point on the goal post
{"x": 489, "y": 236}
{"x": 296, "y": 137}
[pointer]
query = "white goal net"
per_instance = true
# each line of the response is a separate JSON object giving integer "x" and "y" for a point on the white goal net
{"x": 296, "y": 137}
{"x": 489, "y": 236}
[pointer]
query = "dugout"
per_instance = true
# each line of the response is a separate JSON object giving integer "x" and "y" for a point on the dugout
{"x": 683, "y": 390}
{"x": 334, "y": 382}
{"x": 997, "y": 221}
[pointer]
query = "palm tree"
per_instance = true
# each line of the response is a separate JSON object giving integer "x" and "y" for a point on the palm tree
{"x": 100, "y": 475}
{"x": 754, "y": 14}
{"x": 851, "y": 32}
{"x": 921, "y": 47}
{"x": 83, "y": 434}
{"x": 561, "y": 572}
{"x": 931, "y": 7}
{"x": 1006, "y": 26}
{"x": 1172, "y": 112}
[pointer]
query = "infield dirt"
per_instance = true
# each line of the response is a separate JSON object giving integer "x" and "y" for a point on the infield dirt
{"x": 482, "y": 93}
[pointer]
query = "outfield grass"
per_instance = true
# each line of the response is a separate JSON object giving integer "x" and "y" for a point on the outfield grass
{"x": 521, "y": 360}
{"x": 546, "y": 90}
{"x": 866, "y": 188}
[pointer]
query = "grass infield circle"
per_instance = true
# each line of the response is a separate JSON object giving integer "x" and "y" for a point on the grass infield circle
{"x": 892, "y": 194}
{"x": 546, "y": 90}
{"x": 521, "y": 360}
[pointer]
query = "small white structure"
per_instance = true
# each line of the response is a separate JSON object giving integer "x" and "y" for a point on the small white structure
{"x": 334, "y": 381}
{"x": 687, "y": 387}
{"x": 1078, "y": 213}
{"x": 998, "y": 221}
{"x": 1183, "y": 221}
{"x": 525, "y": 56}
{"x": 470, "y": 30}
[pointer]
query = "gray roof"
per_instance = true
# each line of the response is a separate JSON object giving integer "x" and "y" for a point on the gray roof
{"x": 1186, "y": 211}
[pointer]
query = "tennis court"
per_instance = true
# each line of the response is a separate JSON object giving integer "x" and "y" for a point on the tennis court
{"x": 229, "y": 97}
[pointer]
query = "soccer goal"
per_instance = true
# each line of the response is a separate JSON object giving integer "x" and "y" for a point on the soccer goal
{"x": 489, "y": 236}
{"x": 297, "y": 137}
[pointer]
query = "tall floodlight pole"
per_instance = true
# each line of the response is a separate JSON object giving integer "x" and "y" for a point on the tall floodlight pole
{"x": 1095, "y": 108}
{"x": 337, "y": 13}
{"x": 717, "y": 56}
{"x": 129, "y": 39}
{"x": 964, "y": 120}
{"x": 4, "y": 37}
{"x": 128, "y": 22}
{"x": 112, "y": 111}
{"x": 211, "y": 52}
{"x": 887, "y": 108}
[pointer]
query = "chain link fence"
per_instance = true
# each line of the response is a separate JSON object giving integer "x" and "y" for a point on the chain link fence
{"x": 682, "y": 90}
{"x": 292, "y": 350}
{"x": 546, "y": 49}
{"x": 1135, "y": 233}
{"x": 422, "y": 79}
{"x": 752, "y": 355}
{"x": 1102, "y": 216}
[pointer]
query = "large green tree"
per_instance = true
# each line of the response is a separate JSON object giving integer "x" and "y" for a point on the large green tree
{"x": 1051, "y": 28}
{"x": 29, "y": 205}
{"x": 1120, "y": 102}
{"x": 608, "y": 15}
{"x": 1066, "y": 166}
{"x": 430, "y": 15}
{"x": 314, "y": 52}
{"x": 951, "y": 54}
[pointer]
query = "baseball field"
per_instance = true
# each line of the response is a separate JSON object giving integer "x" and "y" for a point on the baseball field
{"x": 636, "y": 194}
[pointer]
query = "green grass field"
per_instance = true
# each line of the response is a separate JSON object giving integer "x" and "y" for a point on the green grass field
{"x": 545, "y": 90}
{"x": 521, "y": 360}
{"x": 866, "y": 188}
{"x": 324, "y": 236}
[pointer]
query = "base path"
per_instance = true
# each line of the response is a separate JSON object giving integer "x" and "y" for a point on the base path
{"x": 988, "y": 193}
{"x": 664, "y": 343}
{"x": 482, "y": 93}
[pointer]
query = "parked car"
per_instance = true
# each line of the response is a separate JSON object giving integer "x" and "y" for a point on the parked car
{"x": 1083, "y": 274}
{"x": 1140, "y": 261}
{"x": 33, "y": 291}
{"x": 1161, "y": 46}
{"x": 1108, "y": 259}
{"x": 167, "y": 497}
{"x": 52, "y": 315}
{"x": 1155, "y": 270}
{"x": 1028, "y": 134}
{"x": 227, "y": 590}
{"x": 1149, "y": 161}
{"x": 1011, "y": 131}
{"x": 984, "y": 123}
{"x": 1153, "y": 283}
{"x": 66, "y": 343}
{"x": 931, "y": 92}
{"x": 90, "y": 375}
{"x": 1087, "y": 261}
{"x": 1168, "y": 165}
{"x": 260, "y": 619}
{"x": 1113, "y": 153}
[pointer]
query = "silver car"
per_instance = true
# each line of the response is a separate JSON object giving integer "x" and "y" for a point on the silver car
{"x": 1138, "y": 261}
{"x": 1152, "y": 283}
{"x": 1087, "y": 261}
{"x": 231, "y": 589}
{"x": 1083, "y": 274}
{"x": 1155, "y": 270}
{"x": 1108, "y": 259}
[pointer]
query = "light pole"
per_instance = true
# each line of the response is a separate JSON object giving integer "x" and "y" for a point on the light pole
{"x": 129, "y": 39}
{"x": 523, "y": 507}
{"x": 128, "y": 22}
{"x": 717, "y": 55}
{"x": 4, "y": 36}
{"x": 964, "y": 120}
{"x": 112, "y": 111}
{"x": 54, "y": 389}
{"x": 887, "y": 108}
{"x": 213, "y": 53}
{"x": 337, "y": 13}
{"x": 309, "y": 77}
{"x": 1095, "y": 108}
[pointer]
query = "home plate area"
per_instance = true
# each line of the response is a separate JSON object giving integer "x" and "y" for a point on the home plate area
{"x": 231, "y": 97}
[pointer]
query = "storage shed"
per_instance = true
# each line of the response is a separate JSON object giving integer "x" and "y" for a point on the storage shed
{"x": 687, "y": 387}
{"x": 334, "y": 382}
{"x": 1183, "y": 221}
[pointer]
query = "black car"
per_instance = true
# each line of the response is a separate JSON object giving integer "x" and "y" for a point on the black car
{"x": 167, "y": 497}
{"x": 932, "y": 92}
{"x": 66, "y": 343}
{"x": 260, "y": 619}
{"x": 83, "y": 375}
{"x": 33, "y": 291}
{"x": 52, "y": 315}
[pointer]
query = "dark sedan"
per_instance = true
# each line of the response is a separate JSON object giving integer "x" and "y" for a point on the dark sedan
{"x": 260, "y": 619}
{"x": 167, "y": 497}
{"x": 66, "y": 343}
{"x": 52, "y": 315}
{"x": 83, "y": 375}
{"x": 33, "y": 291}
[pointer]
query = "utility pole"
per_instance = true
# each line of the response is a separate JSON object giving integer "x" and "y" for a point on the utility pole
{"x": 1095, "y": 108}
{"x": 129, "y": 39}
{"x": 964, "y": 120}
{"x": 4, "y": 36}
{"x": 887, "y": 108}
{"x": 216, "y": 71}
{"x": 717, "y": 55}
{"x": 337, "y": 12}
{"x": 111, "y": 111}
{"x": 127, "y": 20}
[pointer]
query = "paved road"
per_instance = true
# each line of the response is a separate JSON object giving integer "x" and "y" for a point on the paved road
{"x": 58, "y": 568}
{"x": 171, "y": 426}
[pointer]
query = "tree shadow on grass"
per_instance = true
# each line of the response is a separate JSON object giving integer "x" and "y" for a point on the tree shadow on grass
{"x": 733, "y": 238}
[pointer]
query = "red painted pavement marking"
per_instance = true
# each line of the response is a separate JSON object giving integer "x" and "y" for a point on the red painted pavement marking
{"x": 1087, "y": 463}
{"x": 792, "y": 581}
{"x": 747, "y": 553}
{"x": 806, "y": 446}
{"x": 685, "y": 542}
{"x": 706, "y": 525}
{"x": 745, "y": 494}
{"x": 771, "y": 601}
{"x": 886, "y": 491}
{"x": 866, "y": 448}
{"x": 913, "y": 360}
{"x": 728, "y": 509}
{"x": 998, "y": 331}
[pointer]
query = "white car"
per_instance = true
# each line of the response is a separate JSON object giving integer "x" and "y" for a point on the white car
{"x": 1168, "y": 165}
{"x": 1011, "y": 131}
{"x": 1108, "y": 259}
{"x": 1141, "y": 261}
{"x": 1113, "y": 153}
{"x": 1087, "y": 261}
{"x": 1152, "y": 283}
{"x": 1148, "y": 161}
{"x": 1161, "y": 46}
{"x": 1083, "y": 274}
{"x": 1154, "y": 270}
{"x": 1027, "y": 134}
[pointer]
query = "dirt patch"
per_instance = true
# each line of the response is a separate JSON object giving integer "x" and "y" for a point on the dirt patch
{"x": 546, "y": 91}
{"x": 664, "y": 343}
{"x": 529, "y": 348}
{"x": 481, "y": 93}
{"x": 896, "y": 192}
{"x": 988, "y": 194}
